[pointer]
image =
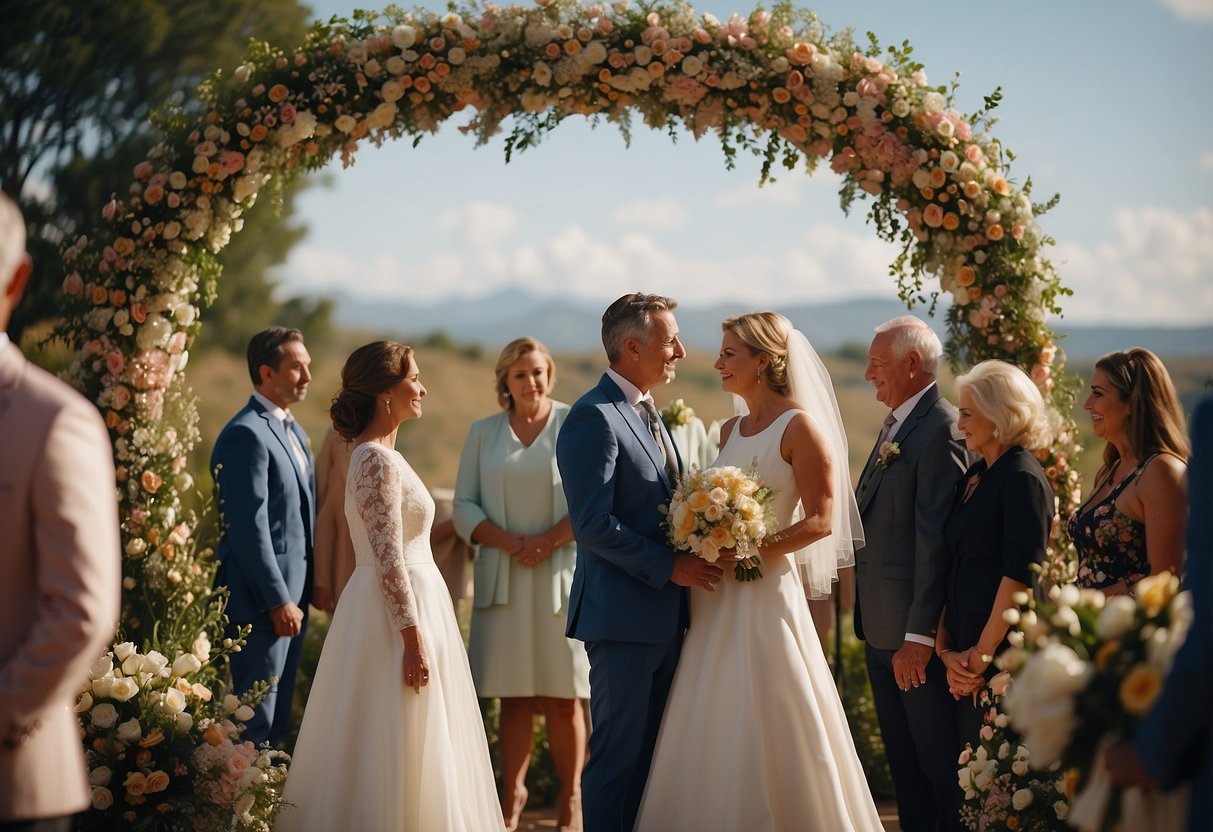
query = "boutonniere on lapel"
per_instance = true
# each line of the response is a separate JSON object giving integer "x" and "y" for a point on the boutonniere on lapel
{"x": 889, "y": 453}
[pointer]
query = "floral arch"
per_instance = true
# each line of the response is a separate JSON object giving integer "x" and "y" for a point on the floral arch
{"x": 773, "y": 84}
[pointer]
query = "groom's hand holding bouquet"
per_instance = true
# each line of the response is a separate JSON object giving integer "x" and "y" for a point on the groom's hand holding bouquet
{"x": 715, "y": 512}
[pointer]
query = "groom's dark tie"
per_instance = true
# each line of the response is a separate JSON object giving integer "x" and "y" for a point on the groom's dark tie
{"x": 649, "y": 412}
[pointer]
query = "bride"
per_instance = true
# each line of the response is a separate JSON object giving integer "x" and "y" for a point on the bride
{"x": 392, "y": 738}
{"x": 754, "y": 736}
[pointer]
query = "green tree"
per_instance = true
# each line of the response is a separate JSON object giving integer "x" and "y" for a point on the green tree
{"x": 78, "y": 80}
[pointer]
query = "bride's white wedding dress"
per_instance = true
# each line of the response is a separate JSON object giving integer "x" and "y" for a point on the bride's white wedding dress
{"x": 373, "y": 754}
{"x": 754, "y": 735}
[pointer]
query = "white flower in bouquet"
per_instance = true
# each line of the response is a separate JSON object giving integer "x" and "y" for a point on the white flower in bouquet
{"x": 1041, "y": 702}
{"x": 1116, "y": 618}
{"x": 721, "y": 508}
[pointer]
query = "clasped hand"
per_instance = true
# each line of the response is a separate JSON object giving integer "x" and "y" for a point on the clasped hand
{"x": 287, "y": 619}
{"x": 533, "y": 550}
{"x": 692, "y": 571}
{"x": 965, "y": 669}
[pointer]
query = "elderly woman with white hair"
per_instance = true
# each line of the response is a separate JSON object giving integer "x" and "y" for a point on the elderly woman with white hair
{"x": 998, "y": 527}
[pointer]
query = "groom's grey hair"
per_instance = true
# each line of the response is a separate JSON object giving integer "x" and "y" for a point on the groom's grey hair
{"x": 631, "y": 316}
{"x": 912, "y": 334}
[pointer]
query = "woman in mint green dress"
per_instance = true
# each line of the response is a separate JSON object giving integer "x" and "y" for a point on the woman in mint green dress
{"x": 510, "y": 503}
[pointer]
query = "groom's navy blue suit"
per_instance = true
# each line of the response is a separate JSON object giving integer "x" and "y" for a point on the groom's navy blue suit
{"x": 623, "y": 604}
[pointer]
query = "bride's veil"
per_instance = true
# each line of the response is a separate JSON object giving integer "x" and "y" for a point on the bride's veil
{"x": 810, "y": 386}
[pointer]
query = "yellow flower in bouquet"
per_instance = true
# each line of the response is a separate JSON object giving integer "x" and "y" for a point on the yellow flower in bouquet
{"x": 721, "y": 508}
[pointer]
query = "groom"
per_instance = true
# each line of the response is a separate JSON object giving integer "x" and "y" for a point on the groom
{"x": 619, "y": 465}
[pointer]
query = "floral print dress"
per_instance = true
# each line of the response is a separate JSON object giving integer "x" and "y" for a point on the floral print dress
{"x": 1111, "y": 545}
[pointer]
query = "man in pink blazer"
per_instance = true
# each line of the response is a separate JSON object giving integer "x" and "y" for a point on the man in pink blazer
{"x": 59, "y": 555}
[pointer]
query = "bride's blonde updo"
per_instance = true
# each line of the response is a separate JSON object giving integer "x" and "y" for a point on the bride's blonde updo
{"x": 765, "y": 332}
{"x": 368, "y": 371}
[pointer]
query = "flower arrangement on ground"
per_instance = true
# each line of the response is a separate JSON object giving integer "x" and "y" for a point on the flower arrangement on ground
{"x": 163, "y": 749}
{"x": 721, "y": 508}
{"x": 1001, "y": 789}
{"x": 1085, "y": 670}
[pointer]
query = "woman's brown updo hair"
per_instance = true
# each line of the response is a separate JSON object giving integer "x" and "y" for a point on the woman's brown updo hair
{"x": 765, "y": 332}
{"x": 368, "y": 371}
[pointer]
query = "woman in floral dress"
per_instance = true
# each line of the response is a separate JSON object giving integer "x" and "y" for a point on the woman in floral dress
{"x": 1132, "y": 524}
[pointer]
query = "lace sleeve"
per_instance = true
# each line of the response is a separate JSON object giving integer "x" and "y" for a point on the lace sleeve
{"x": 378, "y": 493}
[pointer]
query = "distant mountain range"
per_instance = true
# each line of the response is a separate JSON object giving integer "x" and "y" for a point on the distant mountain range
{"x": 568, "y": 325}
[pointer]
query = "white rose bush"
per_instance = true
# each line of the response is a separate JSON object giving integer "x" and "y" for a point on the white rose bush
{"x": 1001, "y": 789}
{"x": 1085, "y": 669}
{"x": 164, "y": 752}
{"x": 773, "y": 84}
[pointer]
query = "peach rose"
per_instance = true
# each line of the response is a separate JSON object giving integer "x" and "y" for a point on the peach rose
{"x": 151, "y": 481}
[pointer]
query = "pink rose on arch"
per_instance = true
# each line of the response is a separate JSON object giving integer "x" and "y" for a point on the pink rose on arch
{"x": 287, "y": 113}
{"x": 933, "y": 216}
{"x": 122, "y": 396}
{"x": 231, "y": 161}
{"x": 867, "y": 88}
{"x": 114, "y": 362}
{"x": 143, "y": 170}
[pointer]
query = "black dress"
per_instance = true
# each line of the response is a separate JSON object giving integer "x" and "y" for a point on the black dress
{"x": 1111, "y": 545}
{"x": 998, "y": 533}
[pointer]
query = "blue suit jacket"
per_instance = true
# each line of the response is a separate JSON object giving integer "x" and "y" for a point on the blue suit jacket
{"x": 614, "y": 481}
{"x": 1175, "y": 740}
{"x": 267, "y": 511}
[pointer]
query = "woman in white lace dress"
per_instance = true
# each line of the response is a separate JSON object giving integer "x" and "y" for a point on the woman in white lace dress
{"x": 392, "y": 738}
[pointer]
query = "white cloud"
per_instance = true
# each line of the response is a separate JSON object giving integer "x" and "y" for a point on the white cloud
{"x": 1200, "y": 11}
{"x": 662, "y": 214}
{"x": 787, "y": 191}
{"x": 1156, "y": 267}
{"x": 1206, "y": 161}
{"x": 827, "y": 262}
{"x": 480, "y": 224}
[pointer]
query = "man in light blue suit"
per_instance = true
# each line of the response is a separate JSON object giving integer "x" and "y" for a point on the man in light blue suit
{"x": 628, "y": 602}
{"x": 1173, "y": 744}
{"x": 267, "y": 501}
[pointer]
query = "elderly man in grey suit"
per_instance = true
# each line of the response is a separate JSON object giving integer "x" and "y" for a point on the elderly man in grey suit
{"x": 59, "y": 554}
{"x": 904, "y": 495}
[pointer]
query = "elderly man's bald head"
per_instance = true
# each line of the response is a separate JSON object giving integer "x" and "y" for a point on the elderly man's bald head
{"x": 14, "y": 262}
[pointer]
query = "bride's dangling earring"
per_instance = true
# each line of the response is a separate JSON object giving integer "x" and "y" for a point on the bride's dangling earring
{"x": 387, "y": 405}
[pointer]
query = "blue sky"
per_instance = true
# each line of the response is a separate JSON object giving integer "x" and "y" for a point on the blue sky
{"x": 1107, "y": 103}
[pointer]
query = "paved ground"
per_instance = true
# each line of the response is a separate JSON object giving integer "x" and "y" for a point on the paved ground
{"x": 534, "y": 820}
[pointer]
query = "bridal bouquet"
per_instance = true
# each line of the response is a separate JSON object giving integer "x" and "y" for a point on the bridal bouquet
{"x": 721, "y": 508}
{"x": 1085, "y": 670}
